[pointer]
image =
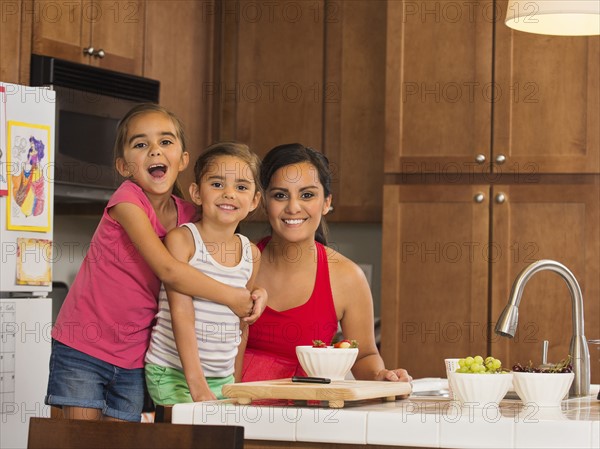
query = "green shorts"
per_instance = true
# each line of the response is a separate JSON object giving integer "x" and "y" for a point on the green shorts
{"x": 167, "y": 386}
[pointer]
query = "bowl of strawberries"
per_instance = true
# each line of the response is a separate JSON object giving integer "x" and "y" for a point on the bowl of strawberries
{"x": 329, "y": 361}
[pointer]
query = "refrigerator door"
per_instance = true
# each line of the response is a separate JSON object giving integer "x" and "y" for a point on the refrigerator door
{"x": 26, "y": 188}
{"x": 25, "y": 325}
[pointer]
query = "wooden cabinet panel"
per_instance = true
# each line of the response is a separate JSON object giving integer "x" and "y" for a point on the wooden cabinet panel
{"x": 15, "y": 44}
{"x": 354, "y": 99}
{"x": 272, "y": 77}
{"x": 438, "y": 84}
{"x": 547, "y": 110}
{"x": 559, "y": 222}
{"x": 434, "y": 285}
{"x": 183, "y": 60}
{"x": 314, "y": 73}
{"x": 65, "y": 29}
{"x": 119, "y": 31}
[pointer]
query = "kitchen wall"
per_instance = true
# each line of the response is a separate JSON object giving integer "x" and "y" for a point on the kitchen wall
{"x": 360, "y": 242}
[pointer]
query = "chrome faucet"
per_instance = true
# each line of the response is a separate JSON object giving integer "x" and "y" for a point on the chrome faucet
{"x": 580, "y": 355}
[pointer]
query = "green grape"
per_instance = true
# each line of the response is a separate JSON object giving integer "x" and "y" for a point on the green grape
{"x": 479, "y": 365}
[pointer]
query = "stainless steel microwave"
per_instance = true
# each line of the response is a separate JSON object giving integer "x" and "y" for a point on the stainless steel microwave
{"x": 90, "y": 101}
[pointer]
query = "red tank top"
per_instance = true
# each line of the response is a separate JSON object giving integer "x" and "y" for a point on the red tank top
{"x": 271, "y": 349}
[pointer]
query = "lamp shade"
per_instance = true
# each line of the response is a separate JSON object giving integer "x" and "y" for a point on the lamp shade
{"x": 555, "y": 17}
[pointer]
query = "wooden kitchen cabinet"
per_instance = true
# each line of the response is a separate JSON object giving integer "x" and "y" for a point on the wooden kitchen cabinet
{"x": 559, "y": 222}
{"x": 434, "y": 275}
{"x": 183, "y": 60}
{"x": 314, "y": 73}
{"x": 448, "y": 270}
{"x": 543, "y": 95}
{"x": 14, "y": 49}
{"x": 107, "y": 34}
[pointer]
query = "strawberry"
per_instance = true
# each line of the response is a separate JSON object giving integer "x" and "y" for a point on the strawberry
{"x": 318, "y": 344}
{"x": 346, "y": 344}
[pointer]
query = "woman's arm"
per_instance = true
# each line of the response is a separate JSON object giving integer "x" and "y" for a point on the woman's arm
{"x": 175, "y": 274}
{"x": 180, "y": 244}
{"x": 354, "y": 305}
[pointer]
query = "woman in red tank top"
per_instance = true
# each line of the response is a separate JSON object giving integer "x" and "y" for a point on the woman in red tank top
{"x": 311, "y": 287}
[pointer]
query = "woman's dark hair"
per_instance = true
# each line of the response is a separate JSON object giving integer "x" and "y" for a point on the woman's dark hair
{"x": 295, "y": 153}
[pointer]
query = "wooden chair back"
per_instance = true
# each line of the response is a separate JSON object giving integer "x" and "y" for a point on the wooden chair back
{"x": 47, "y": 433}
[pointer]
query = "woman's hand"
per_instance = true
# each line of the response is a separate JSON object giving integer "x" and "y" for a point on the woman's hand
{"x": 396, "y": 375}
{"x": 242, "y": 304}
{"x": 260, "y": 297}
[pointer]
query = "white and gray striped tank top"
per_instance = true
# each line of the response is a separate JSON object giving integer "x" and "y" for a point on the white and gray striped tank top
{"x": 217, "y": 327}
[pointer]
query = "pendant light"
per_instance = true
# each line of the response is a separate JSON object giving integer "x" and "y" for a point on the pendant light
{"x": 555, "y": 17}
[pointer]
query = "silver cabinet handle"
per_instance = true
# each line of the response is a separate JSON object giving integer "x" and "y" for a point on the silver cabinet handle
{"x": 480, "y": 158}
{"x": 500, "y": 159}
{"x": 500, "y": 198}
{"x": 99, "y": 54}
{"x": 88, "y": 51}
{"x": 479, "y": 198}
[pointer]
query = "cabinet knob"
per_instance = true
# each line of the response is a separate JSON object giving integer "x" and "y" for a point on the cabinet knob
{"x": 500, "y": 159}
{"x": 500, "y": 198}
{"x": 480, "y": 158}
{"x": 99, "y": 54}
{"x": 88, "y": 51}
{"x": 479, "y": 198}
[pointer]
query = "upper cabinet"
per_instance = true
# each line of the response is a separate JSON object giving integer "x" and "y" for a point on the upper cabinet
{"x": 14, "y": 50}
{"x": 531, "y": 104}
{"x": 183, "y": 60}
{"x": 547, "y": 103}
{"x": 313, "y": 73}
{"x": 439, "y": 73}
{"x": 107, "y": 34}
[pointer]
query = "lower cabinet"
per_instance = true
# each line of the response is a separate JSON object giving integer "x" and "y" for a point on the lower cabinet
{"x": 452, "y": 254}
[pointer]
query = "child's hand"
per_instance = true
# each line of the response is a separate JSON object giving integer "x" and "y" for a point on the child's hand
{"x": 242, "y": 304}
{"x": 203, "y": 394}
{"x": 259, "y": 296}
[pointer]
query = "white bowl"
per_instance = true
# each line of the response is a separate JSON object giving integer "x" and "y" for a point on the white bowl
{"x": 542, "y": 389}
{"x": 330, "y": 362}
{"x": 479, "y": 390}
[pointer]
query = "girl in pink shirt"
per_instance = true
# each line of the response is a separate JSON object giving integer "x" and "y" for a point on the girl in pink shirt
{"x": 103, "y": 329}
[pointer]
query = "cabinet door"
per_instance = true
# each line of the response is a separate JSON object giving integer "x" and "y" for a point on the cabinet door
{"x": 354, "y": 98}
{"x": 559, "y": 222}
{"x": 547, "y": 110}
{"x": 438, "y": 85}
{"x": 65, "y": 29}
{"x": 62, "y": 29}
{"x": 119, "y": 32}
{"x": 192, "y": 41}
{"x": 435, "y": 275}
{"x": 270, "y": 89}
{"x": 14, "y": 47}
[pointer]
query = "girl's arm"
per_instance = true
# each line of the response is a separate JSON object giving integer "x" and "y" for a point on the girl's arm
{"x": 239, "y": 359}
{"x": 176, "y": 274}
{"x": 181, "y": 244}
{"x": 352, "y": 297}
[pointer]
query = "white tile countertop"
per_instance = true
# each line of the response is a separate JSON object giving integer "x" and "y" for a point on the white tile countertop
{"x": 419, "y": 421}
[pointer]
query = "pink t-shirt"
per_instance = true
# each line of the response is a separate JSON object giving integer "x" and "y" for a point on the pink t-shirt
{"x": 110, "y": 308}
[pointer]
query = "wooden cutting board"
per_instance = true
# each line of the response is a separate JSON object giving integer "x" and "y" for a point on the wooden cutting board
{"x": 335, "y": 393}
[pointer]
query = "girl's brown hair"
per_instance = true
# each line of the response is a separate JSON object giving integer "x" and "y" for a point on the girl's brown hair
{"x": 143, "y": 108}
{"x": 235, "y": 149}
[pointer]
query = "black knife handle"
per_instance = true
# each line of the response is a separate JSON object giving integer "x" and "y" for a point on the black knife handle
{"x": 312, "y": 380}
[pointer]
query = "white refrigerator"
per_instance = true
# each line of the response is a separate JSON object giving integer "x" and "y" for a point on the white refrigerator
{"x": 27, "y": 125}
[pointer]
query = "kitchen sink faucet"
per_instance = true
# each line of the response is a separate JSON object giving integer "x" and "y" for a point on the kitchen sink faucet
{"x": 580, "y": 355}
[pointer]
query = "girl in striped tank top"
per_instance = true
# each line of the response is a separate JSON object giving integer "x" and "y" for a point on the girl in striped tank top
{"x": 195, "y": 343}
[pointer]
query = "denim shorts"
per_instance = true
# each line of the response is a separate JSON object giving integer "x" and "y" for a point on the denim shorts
{"x": 79, "y": 380}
